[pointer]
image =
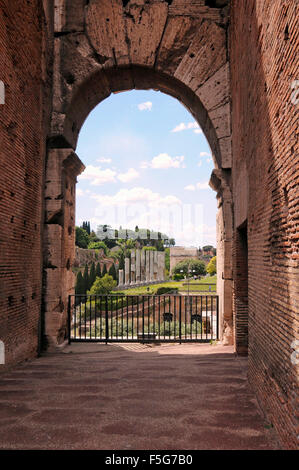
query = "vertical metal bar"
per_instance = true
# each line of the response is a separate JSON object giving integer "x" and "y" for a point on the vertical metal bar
{"x": 106, "y": 319}
{"x": 111, "y": 316}
{"x": 212, "y": 323}
{"x": 180, "y": 321}
{"x": 201, "y": 317}
{"x": 164, "y": 314}
{"x": 148, "y": 315}
{"x": 95, "y": 317}
{"x": 69, "y": 318}
{"x": 137, "y": 329}
{"x": 169, "y": 323}
{"x": 190, "y": 315}
{"x": 196, "y": 317}
{"x": 80, "y": 320}
{"x": 174, "y": 316}
{"x": 217, "y": 315}
{"x": 154, "y": 315}
{"x": 143, "y": 317}
{"x": 206, "y": 317}
{"x": 90, "y": 317}
{"x": 159, "y": 313}
{"x": 127, "y": 317}
{"x": 186, "y": 307}
{"x": 116, "y": 311}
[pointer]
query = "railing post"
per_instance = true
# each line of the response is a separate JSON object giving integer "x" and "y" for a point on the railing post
{"x": 217, "y": 313}
{"x": 107, "y": 323}
{"x": 69, "y": 318}
{"x": 180, "y": 321}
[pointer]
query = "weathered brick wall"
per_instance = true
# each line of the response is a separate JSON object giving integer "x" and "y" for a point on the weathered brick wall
{"x": 24, "y": 67}
{"x": 264, "y": 62}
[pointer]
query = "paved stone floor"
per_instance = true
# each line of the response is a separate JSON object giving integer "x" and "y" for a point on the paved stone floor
{"x": 132, "y": 397}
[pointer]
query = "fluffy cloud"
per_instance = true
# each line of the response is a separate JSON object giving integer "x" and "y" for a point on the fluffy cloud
{"x": 147, "y": 106}
{"x": 204, "y": 185}
{"x": 137, "y": 195}
{"x": 163, "y": 161}
{"x": 185, "y": 126}
{"x": 130, "y": 175}
{"x": 190, "y": 187}
{"x": 98, "y": 176}
{"x": 205, "y": 154}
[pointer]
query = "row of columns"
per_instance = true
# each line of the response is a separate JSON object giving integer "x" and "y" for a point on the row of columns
{"x": 143, "y": 267}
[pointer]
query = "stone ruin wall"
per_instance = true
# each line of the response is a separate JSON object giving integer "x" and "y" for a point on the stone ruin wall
{"x": 265, "y": 194}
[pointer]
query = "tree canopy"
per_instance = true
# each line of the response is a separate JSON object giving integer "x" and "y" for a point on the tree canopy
{"x": 211, "y": 268}
{"x": 197, "y": 267}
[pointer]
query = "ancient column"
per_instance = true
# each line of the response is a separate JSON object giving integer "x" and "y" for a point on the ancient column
{"x": 147, "y": 266}
{"x": 133, "y": 267}
{"x": 151, "y": 265}
{"x": 161, "y": 265}
{"x": 138, "y": 278}
{"x": 155, "y": 277}
{"x": 120, "y": 278}
{"x": 142, "y": 266}
{"x": 127, "y": 271}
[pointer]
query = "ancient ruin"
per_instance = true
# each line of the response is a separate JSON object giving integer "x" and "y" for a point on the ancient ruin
{"x": 234, "y": 65}
{"x": 144, "y": 267}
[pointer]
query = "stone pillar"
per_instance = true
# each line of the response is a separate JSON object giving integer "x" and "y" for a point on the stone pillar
{"x": 120, "y": 278}
{"x": 155, "y": 277}
{"x": 151, "y": 265}
{"x": 142, "y": 266}
{"x": 138, "y": 277}
{"x": 161, "y": 265}
{"x": 133, "y": 267}
{"x": 147, "y": 266}
{"x": 127, "y": 271}
{"x": 220, "y": 182}
{"x": 63, "y": 166}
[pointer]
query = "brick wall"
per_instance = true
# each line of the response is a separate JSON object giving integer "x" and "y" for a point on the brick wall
{"x": 24, "y": 70}
{"x": 264, "y": 61}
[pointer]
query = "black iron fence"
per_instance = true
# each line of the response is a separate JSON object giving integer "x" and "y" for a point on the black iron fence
{"x": 143, "y": 318}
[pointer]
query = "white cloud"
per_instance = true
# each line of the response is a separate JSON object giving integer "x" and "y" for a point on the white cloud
{"x": 199, "y": 163}
{"x": 204, "y": 185}
{"x": 190, "y": 187}
{"x": 98, "y": 176}
{"x": 79, "y": 192}
{"x": 164, "y": 161}
{"x": 138, "y": 195}
{"x": 130, "y": 175}
{"x": 205, "y": 154}
{"x": 147, "y": 106}
{"x": 104, "y": 160}
{"x": 209, "y": 160}
{"x": 189, "y": 125}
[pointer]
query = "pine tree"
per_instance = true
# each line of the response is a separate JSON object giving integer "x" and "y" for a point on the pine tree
{"x": 92, "y": 275}
{"x": 79, "y": 289}
{"x": 98, "y": 270}
{"x": 85, "y": 279}
{"x": 112, "y": 272}
{"x": 104, "y": 270}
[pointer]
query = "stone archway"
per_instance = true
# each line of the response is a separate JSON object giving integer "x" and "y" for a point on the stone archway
{"x": 102, "y": 47}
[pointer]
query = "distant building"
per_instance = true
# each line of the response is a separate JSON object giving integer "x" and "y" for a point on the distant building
{"x": 180, "y": 253}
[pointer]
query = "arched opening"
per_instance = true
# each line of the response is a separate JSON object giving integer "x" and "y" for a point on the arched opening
{"x": 91, "y": 92}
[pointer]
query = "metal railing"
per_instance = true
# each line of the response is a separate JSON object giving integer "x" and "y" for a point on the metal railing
{"x": 143, "y": 318}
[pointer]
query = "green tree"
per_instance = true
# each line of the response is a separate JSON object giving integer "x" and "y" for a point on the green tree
{"x": 98, "y": 246}
{"x": 190, "y": 264}
{"x": 79, "y": 288}
{"x": 103, "y": 285}
{"x": 82, "y": 238}
{"x": 104, "y": 272}
{"x": 98, "y": 270}
{"x": 167, "y": 258}
{"x": 112, "y": 272}
{"x": 211, "y": 268}
{"x": 86, "y": 279}
{"x": 92, "y": 275}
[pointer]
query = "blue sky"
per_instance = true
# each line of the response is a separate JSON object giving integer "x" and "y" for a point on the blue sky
{"x": 147, "y": 164}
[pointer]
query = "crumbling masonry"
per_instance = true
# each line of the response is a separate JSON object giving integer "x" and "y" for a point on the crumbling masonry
{"x": 234, "y": 65}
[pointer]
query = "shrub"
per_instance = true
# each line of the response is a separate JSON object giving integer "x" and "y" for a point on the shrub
{"x": 167, "y": 290}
